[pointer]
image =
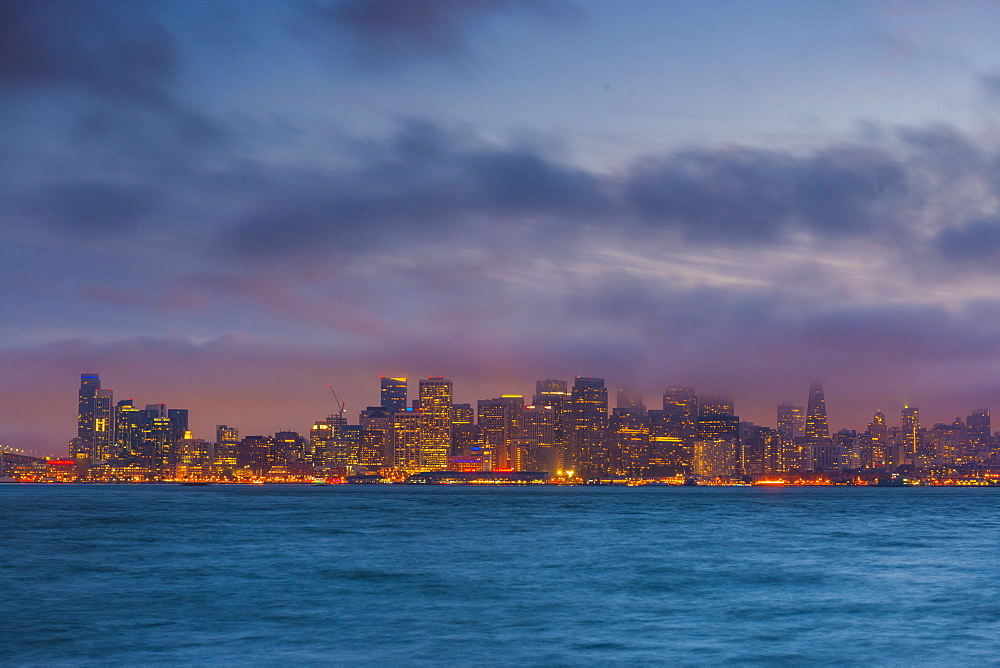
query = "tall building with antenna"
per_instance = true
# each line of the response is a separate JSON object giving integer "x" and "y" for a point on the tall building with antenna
{"x": 816, "y": 425}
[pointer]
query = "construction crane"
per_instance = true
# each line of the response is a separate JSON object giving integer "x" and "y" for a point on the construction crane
{"x": 341, "y": 405}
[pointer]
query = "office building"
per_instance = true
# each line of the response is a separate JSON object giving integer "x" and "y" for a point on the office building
{"x": 393, "y": 394}
{"x": 436, "y": 399}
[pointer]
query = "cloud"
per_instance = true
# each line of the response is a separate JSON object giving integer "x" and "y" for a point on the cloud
{"x": 111, "y": 49}
{"x": 385, "y": 31}
{"x": 975, "y": 243}
{"x": 740, "y": 195}
{"x": 428, "y": 183}
{"x": 97, "y": 208}
{"x": 421, "y": 182}
{"x": 990, "y": 85}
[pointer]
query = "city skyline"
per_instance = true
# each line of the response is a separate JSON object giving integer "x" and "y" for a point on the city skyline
{"x": 234, "y": 206}
{"x": 432, "y": 430}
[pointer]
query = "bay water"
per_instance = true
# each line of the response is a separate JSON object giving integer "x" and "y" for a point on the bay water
{"x": 388, "y": 575}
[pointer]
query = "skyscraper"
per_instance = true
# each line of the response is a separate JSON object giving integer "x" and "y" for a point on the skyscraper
{"x": 393, "y": 394}
{"x": 817, "y": 426}
{"x": 791, "y": 420}
{"x": 879, "y": 433}
{"x": 588, "y": 404}
{"x": 95, "y": 430}
{"x": 910, "y": 422}
{"x": 979, "y": 434}
{"x": 679, "y": 418}
{"x": 436, "y": 398}
{"x": 715, "y": 404}
{"x": 500, "y": 420}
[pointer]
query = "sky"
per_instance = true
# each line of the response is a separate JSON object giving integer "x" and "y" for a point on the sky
{"x": 228, "y": 206}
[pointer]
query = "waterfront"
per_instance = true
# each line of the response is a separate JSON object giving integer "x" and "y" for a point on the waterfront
{"x": 543, "y": 575}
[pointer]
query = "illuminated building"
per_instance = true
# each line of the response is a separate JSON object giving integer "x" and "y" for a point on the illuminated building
{"x": 879, "y": 433}
{"x": 405, "y": 440}
{"x": 588, "y": 404}
{"x": 193, "y": 458}
{"x": 946, "y": 443}
{"x": 715, "y": 458}
{"x": 436, "y": 398}
{"x": 979, "y": 447}
{"x": 539, "y": 425}
{"x": 830, "y": 454}
{"x": 330, "y": 446}
{"x": 462, "y": 415}
{"x": 554, "y": 393}
{"x": 289, "y": 447}
{"x": 62, "y": 470}
{"x": 500, "y": 420}
{"x": 816, "y": 426}
{"x": 791, "y": 420}
{"x": 714, "y": 404}
{"x": 156, "y": 445}
{"x": 256, "y": 453}
{"x": 718, "y": 425}
{"x": 668, "y": 455}
{"x": 226, "y": 440}
{"x": 910, "y": 425}
{"x": 628, "y": 436}
{"x": 128, "y": 431}
{"x": 550, "y": 392}
{"x": 178, "y": 422}
{"x": 538, "y": 449}
{"x": 95, "y": 432}
{"x": 468, "y": 452}
{"x": 393, "y": 394}
{"x": 759, "y": 449}
{"x": 680, "y": 413}
{"x": 321, "y": 434}
{"x": 376, "y": 436}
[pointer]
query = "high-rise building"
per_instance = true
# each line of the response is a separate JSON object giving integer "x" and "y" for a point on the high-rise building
{"x": 550, "y": 392}
{"x": 157, "y": 437}
{"x": 406, "y": 440}
{"x": 376, "y": 436}
{"x": 910, "y": 423}
{"x": 680, "y": 413}
{"x": 791, "y": 420}
{"x": 978, "y": 435}
{"x": 393, "y": 394}
{"x": 436, "y": 398}
{"x": 816, "y": 426}
{"x": 226, "y": 440}
{"x": 256, "y": 453}
{"x": 715, "y": 458}
{"x": 628, "y": 434}
{"x": 630, "y": 401}
{"x": 128, "y": 435}
{"x": 95, "y": 434}
{"x": 879, "y": 433}
{"x": 500, "y": 421}
{"x": 715, "y": 404}
{"x": 588, "y": 404}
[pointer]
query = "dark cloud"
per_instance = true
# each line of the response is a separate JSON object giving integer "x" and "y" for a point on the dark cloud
{"x": 990, "y": 84}
{"x": 97, "y": 208}
{"x": 385, "y": 31}
{"x": 111, "y": 49}
{"x": 422, "y": 182}
{"x": 748, "y": 195}
{"x": 429, "y": 184}
{"x": 976, "y": 243}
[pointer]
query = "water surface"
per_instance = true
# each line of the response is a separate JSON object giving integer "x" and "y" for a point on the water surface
{"x": 107, "y": 574}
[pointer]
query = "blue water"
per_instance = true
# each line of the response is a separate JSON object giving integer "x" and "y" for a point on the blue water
{"x": 458, "y": 575}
